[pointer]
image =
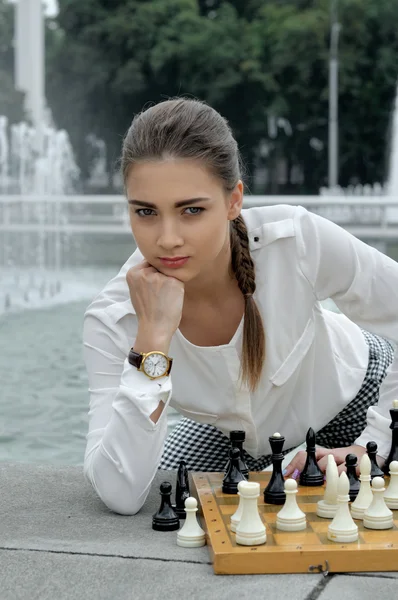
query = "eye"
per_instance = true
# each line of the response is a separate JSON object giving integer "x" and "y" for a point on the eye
{"x": 195, "y": 208}
{"x": 140, "y": 212}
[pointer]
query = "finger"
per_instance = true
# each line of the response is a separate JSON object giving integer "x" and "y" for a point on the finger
{"x": 322, "y": 463}
{"x": 296, "y": 464}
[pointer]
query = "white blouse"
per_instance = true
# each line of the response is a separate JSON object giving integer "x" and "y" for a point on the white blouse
{"x": 315, "y": 363}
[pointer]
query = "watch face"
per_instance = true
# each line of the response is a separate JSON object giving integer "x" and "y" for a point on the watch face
{"x": 155, "y": 365}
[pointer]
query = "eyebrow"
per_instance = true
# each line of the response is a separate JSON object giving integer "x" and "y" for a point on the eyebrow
{"x": 176, "y": 205}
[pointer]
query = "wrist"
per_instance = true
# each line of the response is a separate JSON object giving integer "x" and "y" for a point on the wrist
{"x": 148, "y": 340}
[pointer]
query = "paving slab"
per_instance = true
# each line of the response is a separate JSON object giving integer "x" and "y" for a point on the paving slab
{"x": 57, "y": 539}
{"x": 353, "y": 587}
{"x": 49, "y": 576}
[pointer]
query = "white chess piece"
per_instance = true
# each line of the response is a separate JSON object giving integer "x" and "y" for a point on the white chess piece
{"x": 250, "y": 530}
{"x": 291, "y": 517}
{"x": 327, "y": 507}
{"x": 235, "y": 518}
{"x": 191, "y": 535}
{"x": 343, "y": 528}
{"x": 365, "y": 494}
{"x": 391, "y": 493}
{"x": 378, "y": 515}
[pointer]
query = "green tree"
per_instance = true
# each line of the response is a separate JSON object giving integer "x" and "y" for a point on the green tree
{"x": 251, "y": 60}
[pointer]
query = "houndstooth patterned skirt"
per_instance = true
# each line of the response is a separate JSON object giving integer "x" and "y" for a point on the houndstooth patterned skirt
{"x": 205, "y": 448}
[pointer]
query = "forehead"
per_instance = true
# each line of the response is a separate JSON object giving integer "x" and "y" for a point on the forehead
{"x": 180, "y": 178}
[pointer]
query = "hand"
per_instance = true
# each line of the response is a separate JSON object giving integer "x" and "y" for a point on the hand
{"x": 339, "y": 454}
{"x": 157, "y": 298}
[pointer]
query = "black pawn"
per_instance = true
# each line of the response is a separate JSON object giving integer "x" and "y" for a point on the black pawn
{"x": 375, "y": 471}
{"x": 351, "y": 463}
{"x": 393, "y": 455}
{"x": 311, "y": 475}
{"x": 274, "y": 493}
{"x": 237, "y": 438}
{"x": 165, "y": 519}
{"x": 233, "y": 475}
{"x": 182, "y": 490}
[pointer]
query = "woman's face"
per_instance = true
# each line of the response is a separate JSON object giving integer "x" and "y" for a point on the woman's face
{"x": 162, "y": 227}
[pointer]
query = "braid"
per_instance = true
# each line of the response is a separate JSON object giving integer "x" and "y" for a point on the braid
{"x": 253, "y": 349}
{"x": 242, "y": 263}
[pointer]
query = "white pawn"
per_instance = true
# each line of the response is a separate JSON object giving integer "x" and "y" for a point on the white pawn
{"x": 291, "y": 517}
{"x": 191, "y": 535}
{"x": 235, "y": 518}
{"x": 343, "y": 528}
{"x": 250, "y": 530}
{"x": 365, "y": 494}
{"x": 327, "y": 507}
{"x": 378, "y": 515}
{"x": 391, "y": 493}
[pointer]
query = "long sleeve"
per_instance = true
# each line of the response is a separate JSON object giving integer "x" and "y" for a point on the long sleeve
{"x": 363, "y": 283}
{"x": 124, "y": 446}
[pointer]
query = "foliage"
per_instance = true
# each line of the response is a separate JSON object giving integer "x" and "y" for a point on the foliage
{"x": 250, "y": 59}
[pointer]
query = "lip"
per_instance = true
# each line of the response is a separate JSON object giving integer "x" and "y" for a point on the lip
{"x": 174, "y": 263}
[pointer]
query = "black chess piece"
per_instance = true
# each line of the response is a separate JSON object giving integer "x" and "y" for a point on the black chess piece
{"x": 182, "y": 490}
{"x": 351, "y": 463}
{"x": 393, "y": 455}
{"x": 375, "y": 471}
{"x": 274, "y": 493}
{"x": 237, "y": 438}
{"x": 311, "y": 474}
{"x": 233, "y": 475}
{"x": 165, "y": 519}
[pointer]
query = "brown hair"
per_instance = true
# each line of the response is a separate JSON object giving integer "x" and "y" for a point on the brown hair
{"x": 186, "y": 128}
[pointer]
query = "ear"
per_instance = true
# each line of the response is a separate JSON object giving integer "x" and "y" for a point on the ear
{"x": 235, "y": 201}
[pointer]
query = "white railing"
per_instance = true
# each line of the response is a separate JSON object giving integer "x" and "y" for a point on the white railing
{"x": 367, "y": 217}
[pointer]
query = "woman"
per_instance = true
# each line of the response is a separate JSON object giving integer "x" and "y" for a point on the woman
{"x": 228, "y": 301}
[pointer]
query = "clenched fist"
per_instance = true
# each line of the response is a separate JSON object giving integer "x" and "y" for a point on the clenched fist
{"x": 157, "y": 299}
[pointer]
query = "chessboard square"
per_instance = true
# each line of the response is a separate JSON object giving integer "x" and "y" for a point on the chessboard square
{"x": 227, "y": 509}
{"x": 309, "y": 507}
{"x": 320, "y": 526}
{"x": 296, "y": 538}
{"x": 317, "y": 490}
{"x": 386, "y": 537}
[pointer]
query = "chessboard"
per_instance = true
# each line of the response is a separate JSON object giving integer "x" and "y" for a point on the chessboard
{"x": 303, "y": 551}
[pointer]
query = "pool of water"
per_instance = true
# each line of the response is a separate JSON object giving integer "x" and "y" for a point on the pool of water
{"x": 44, "y": 388}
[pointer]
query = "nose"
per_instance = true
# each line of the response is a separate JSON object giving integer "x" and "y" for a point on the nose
{"x": 169, "y": 236}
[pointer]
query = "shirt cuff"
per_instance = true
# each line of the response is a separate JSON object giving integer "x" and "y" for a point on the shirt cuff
{"x": 145, "y": 393}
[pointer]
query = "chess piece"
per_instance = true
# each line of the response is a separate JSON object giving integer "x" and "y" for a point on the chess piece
{"x": 165, "y": 519}
{"x": 311, "y": 475}
{"x": 365, "y": 495}
{"x": 393, "y": 455}
{"x": 250, "y": 530}
{"x": 274, "y": 493}
{"x": 351, "y": 462}
{"x": 378, "y": 515}
{"x": 391, "y": 493}
{"x": 342, "y": 528}
{"x": 327, "y": 507}
{"x": 191, "y": 535}
{"x": 235, "y": 518}
{"x": 182, "y": 489}
{"x": 375, "y": 471}
{"x": 237, "y": 438}
{"x": 233, "y": 475}
{"x": 291, "y": 517}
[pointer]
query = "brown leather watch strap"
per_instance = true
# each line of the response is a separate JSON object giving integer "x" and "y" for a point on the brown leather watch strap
{"x": 135, "y": 359}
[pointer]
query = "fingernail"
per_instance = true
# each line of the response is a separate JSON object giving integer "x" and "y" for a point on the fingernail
{"x": 284, "y": 471}
{"x": 295, "y": 473}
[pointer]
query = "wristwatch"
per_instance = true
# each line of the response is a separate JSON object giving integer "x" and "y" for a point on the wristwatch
{"x": 154, "y": 364}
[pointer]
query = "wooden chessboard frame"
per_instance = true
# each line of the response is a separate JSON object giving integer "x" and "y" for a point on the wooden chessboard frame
{"x": 306, "y": 551}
